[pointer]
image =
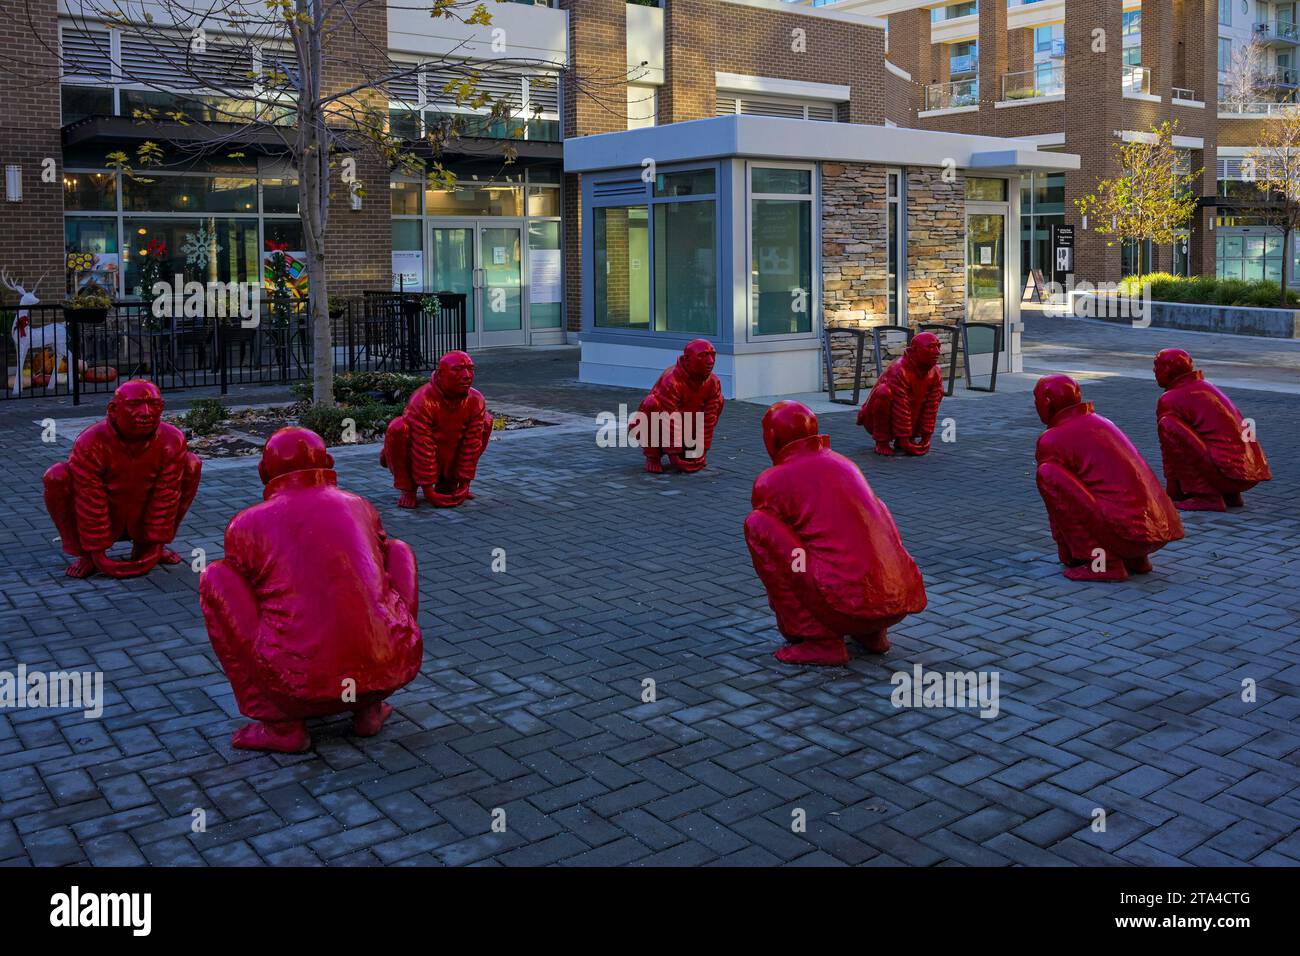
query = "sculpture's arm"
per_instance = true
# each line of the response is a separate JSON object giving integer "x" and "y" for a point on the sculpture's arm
{"x": 399, "y": 561}
{"x": 712, "y": 412}
{"x": 472, "y": 440}
{"x": 89, "y": 466}
{"x": 165, "y": 496}
{"x": 901, "y": 409}
{"x": 424, "y": 447}
{"x": 930, "y": 411}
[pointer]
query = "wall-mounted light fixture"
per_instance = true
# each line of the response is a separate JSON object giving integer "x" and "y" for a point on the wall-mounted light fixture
{"x": 356, "y": 196}
{"x": 13, "y": 183}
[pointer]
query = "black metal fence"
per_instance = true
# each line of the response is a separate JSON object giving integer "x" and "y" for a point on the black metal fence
{"x": 380, "y": 331}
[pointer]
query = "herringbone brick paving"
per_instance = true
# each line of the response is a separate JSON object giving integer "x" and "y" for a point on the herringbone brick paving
{"x": 1122, "y": 697}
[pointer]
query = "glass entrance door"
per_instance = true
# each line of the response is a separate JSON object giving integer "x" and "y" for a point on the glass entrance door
{"x": 500, "y": 283}
{"x": 986, "y": 274}
{"x": 483, "y": 260}
{"x": 451, "y": 259}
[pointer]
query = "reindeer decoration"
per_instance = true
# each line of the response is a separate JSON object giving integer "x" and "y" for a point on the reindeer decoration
{"x": 54, "y": 335}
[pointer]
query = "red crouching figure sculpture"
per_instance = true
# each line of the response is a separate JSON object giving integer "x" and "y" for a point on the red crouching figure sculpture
{"x": 312, "y": 612}
{"x": 904, "y": 404}
{"x": 825, "y": 546}
{"x": 687, "y": 389}
{"x": 1105, "y": 505}
{"x": 437, "y": 442}
{"x": 128, "y": 478}
{"x": 1210, "y": 457}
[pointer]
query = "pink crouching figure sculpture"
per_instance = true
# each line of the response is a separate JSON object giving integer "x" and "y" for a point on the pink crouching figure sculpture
{"x": 825, "y": 547}
{"x": 130, "y": 477}
{"x": 687, "y": 388}
{"x": 1106, "y": 508}
{"x": 903, "y": 405}
{"x": 312, "y": 612}
{"x": 436, "y": 443}
{"x": 1210, "y": 455}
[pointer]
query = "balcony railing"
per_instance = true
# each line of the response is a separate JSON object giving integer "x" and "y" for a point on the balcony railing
{"x": 947, "y": 96}
{"x": 1136, "y": 80}
{"x": 1284, "y": 77}
{"x": 1046, "y": 80}
{"x": 1279, "y": 30}
{"x": 1182, "y": 93}
{"x": 1262, "y": 108}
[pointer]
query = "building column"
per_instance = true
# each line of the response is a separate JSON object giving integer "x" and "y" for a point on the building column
{"x": 31, "y": 231}
{"x": 593, "y": 99}
{"x": 359, "y": 242}
{"x": 1199, "y": 21}
{"x": 690, "y": 90}
{"x": 1093, "y": 62}
{"x": 993, "y": 49}
{"x": 1158, "y": 46}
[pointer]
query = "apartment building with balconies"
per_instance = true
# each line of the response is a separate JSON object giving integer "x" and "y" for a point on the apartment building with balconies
{"x": 1085, "y": 75}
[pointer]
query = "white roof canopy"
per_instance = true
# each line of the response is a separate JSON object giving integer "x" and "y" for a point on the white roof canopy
{"x": 778, "y": 138}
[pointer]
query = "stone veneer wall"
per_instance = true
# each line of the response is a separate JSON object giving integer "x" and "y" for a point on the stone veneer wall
{"x": 855, "y": 254}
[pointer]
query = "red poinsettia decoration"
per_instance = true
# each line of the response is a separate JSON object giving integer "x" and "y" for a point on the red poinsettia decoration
{"x": 156, "y": 248}
{"x": 273, "y": 246}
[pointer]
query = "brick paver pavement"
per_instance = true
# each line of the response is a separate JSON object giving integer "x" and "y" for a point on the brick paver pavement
{"x": 1125, "y": 698}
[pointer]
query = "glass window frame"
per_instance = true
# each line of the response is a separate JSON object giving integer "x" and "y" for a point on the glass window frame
{"x": 813, "y": 197}
{"x": 260, "y": 173}
{"x": 721, "y": 200}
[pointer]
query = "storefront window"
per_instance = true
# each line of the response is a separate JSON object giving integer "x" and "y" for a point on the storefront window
{"x": 685, "y": 267}
{"x": 543, "y": 201}
{"x": 408, "y": 255}
{"x": 190, "y": 194}
{"x": 986, "y": 190}
{"x": 546, "y": 292}
{"x": 200, "y": 250}
{"x": 471, "y": 201}
{"x": 405, "y": 198}
{"x": 695, "y": 182}
{"x": 781, "y": 289}
{"x": 621, "y": 265}
{"x": 98, "y": 237}
{"x": 280, "y": 196}
{"x": 90, "y": 192}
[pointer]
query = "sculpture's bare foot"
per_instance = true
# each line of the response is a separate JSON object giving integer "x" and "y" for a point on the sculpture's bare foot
{"x": 1201, "y": 503}
{"x": 368, "y": 721}
{"x": 884, "y": 448}
{"x": 1084, "y": 572}
{"x": 169, "y": 557}
{"x": 654, "y": 465}
{"x": 877, "y": 643}
{"x": 1138, "y": 565}
{"x": 406, "y": 500}
{"x": 81, "y": 568}
{"x": 816, "y": 653}
{"x": 283, "y": 737}
{"x": 1233, "y": 500}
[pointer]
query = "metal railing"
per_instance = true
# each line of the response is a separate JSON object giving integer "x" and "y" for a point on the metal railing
{"x": 1182, "y": 93}
{"x": 1136, "y": 80}
{"x": 1045, "y": 80}
{"x": 944, "y": 96}
{"x": 41, "y": 345}
{"x": 1277, "y": 30}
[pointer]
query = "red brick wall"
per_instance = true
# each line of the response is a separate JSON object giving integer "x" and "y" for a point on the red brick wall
{"x": 31, "y": 231}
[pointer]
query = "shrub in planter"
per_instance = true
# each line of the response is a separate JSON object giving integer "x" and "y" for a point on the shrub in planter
{"x": 326, "y": 421}
{"x": 1208, "y": 290}
{"x": 204, "y": 416}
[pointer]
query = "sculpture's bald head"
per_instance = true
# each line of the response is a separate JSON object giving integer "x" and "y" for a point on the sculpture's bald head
{"x": 454, "y": 375}
{"x": 1053, "y": 394}
{"x": 923, "y": 351}
{"x": 292, "y": 449}
{"x": 1171, "y": 365}
{"x": 698, "y": 358}
{"x": 136, "y": 409}
{"x": 786, "y": 422}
